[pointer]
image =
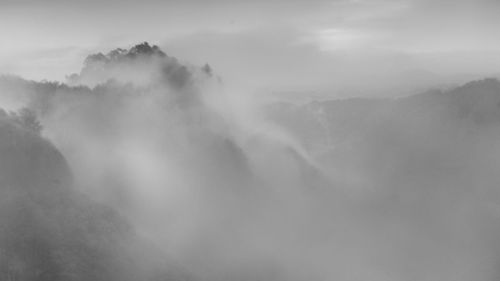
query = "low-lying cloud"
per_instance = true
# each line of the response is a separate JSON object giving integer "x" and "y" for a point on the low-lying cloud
{"x": 357, "y": 189}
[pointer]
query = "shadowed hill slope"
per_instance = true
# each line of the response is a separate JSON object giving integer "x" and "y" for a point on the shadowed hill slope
{"x": 48, "y": 231}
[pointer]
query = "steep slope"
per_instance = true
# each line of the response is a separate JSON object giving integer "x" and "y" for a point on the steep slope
{"x": 48, "y": 231}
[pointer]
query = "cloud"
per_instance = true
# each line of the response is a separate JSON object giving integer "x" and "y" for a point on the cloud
{"x": 403, "y": 28}
{"x": 285, "y": 60}
{"x": 192, "y": 177}
{"x": 369, "y": 188}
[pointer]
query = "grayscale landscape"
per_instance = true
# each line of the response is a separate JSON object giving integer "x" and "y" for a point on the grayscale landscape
{"x": 320, "y": 140}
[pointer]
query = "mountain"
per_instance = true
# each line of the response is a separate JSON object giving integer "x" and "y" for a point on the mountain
{"x": 172, "y": 161}
{"x": 323, "y": 125}
{"x": 48, "y": 230}
{"x": 436, "y": 129}
{"x": 422, "y": 171}
{"x": 130, "y": 168}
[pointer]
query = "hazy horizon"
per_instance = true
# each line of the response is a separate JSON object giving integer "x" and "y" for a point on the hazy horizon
{"x": 339, "y": 48}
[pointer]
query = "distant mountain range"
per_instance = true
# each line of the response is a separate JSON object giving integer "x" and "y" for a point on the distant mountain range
{"x": 326, "y": 124}
{"x": 423, "y": 170}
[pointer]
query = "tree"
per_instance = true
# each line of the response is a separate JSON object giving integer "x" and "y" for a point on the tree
{"x": 27, "y": 118}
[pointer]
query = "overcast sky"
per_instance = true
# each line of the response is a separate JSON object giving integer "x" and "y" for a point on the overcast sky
{"x": 272, "y": 45}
